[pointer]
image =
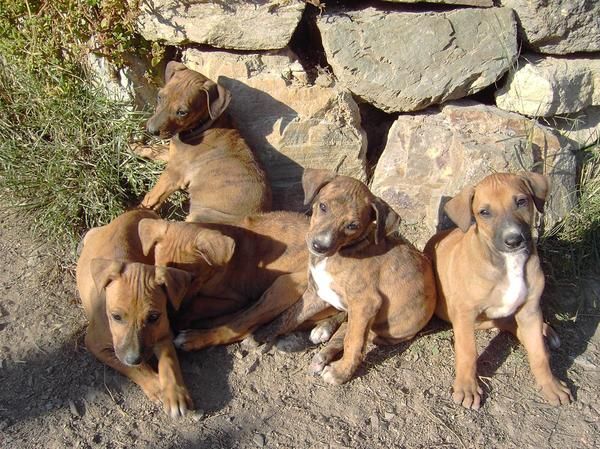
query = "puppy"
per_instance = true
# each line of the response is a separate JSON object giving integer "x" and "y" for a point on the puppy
{"x": 259, "y": 262}
{"x": 384, "y": 284}
{"x": 488, "y": 275}
{"x": 125, "y": 299}
{"x": 207, "y": 156}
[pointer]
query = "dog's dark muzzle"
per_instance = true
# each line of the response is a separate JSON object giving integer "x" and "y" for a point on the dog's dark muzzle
{"x": 321, "y": 244}
{"x": 513, "y": 237}
{"x": 156, "y": 125}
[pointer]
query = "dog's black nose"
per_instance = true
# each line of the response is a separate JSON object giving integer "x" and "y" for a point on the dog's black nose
{"x": 133, "y": 358}
{"x": 318, "y": 246}
{"x": 152, "y": 130}
{"x": 514, "y": 240}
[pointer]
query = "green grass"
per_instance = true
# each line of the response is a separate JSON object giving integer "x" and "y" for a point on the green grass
{"x": 64, "y": 154}
{"x": 65, "y": 160}
{"x": 571, "y": 251}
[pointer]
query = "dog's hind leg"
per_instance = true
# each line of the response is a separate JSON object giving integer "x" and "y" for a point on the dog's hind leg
{"x": 205, "y": 312}
{"x": 208, "y": 215}
{"x": 325, "y": 329}
{"x": 309, "y": 306}
{"x": 510, "y": 325}
{"x": 285, "y": 291}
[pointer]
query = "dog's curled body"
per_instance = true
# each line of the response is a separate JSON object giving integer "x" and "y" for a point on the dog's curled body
{"x": 125, "y": 298}
{"x": 208, "y": 157}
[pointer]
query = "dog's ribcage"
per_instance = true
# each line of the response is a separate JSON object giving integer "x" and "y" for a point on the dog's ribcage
{"x": 514, "y": 290}
{"x": 323, "y": 281}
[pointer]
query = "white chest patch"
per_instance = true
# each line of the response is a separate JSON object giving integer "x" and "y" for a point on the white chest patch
{"x": 323, "y": 281}
{"x": 514, "y": 290}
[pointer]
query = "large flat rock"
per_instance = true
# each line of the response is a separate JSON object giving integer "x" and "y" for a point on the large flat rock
{"x": 290, "y": 123}
{"x": 233, "y": 24}
{"x": 581, "y": 129}
{"x": 430, "y": 156}
{"x": 558, "y": 26}
{"x": 405, "y": 61}
{"x": 480, "y": 3}
{"x": 544, "y": 86}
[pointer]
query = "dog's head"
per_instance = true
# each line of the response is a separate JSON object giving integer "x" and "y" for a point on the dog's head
{"x": 344, "y": 211}
{"x": 136, "y": 304}
{"x": 186, "y": 246}
{"x": 188, "y": 100}
{"x": 501, "y": 206}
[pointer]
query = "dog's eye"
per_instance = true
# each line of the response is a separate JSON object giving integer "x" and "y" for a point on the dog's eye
{"x": 485, "y": 213}
{"x": 352, "y": 226}
{"x": 323, "y": 207}
{"x": 158, "y": 98}
{"x": 181, "y": 113}
{"x": 116, "y": 317}
{"x": 153, "y": 318}
{"x": 522, "y": 202}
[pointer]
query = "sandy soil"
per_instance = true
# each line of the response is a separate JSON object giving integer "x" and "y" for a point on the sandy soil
{"x": 54, "y": 394}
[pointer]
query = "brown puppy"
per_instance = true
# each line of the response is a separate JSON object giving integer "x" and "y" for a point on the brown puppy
{"x": 489, "y": 275}
{"x": 383, "y": 283}
{"x": 260, "y": 260}
{"x": 125, "y": 299}
{"x": 207, "y": 156}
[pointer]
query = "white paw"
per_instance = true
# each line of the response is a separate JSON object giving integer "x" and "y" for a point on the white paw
{"x": 320, "y": 334}
{"x": 331, "y": 376}
{"x": 181, "y": 340}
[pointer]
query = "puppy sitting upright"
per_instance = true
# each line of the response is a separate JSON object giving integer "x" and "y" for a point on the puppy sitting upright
{"x": 489, "y": 275}
{"x": 383, "y": 283}
{"x": 125, "y": 299}
{"x": 207, "y": 156}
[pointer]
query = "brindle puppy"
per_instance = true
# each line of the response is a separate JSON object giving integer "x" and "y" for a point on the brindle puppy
{"x": 356, "y": 265}
{"x": 207, "y": 156}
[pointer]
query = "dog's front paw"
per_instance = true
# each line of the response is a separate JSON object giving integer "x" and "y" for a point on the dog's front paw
{"x": 152, "y": 390}
{"x": 149, "y": 203}
{"x": 336, "y": 373}
{"x": 321, "y": 333}
{"x": 467, "y": 393}
{"x": 556, "y": 392}
{"x": 317, "y": 364}
{"x": 185, "y": 340}
{"x": 177, "y": 401}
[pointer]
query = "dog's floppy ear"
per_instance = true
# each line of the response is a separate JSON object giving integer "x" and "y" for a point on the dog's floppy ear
{"x": 218, "y": 99}
{"x": 172, "y": 67}
{"x": 151, "y": 231}
{"x": 459, "y": 208}
{"x": 539, "y": 185}
{"x": 214, "y": 247}
{"x": 314, "y": 180}
{"x": 104, "y": 271}
{"x": 175, "y": 281}
{"x": 387, "y": 220}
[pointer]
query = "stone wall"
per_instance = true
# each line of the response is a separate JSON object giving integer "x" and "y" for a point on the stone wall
{"x": 416, "y": 98}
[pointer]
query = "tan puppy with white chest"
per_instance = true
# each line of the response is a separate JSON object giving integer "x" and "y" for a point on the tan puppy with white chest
{"x": 489, "y": 275}
{"x": 125, "y": 300}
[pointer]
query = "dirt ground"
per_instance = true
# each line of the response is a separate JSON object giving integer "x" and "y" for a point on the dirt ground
{"x": 54, "y": 394}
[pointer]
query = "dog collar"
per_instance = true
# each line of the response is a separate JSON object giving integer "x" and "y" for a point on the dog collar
{"x": 359, "y": 244}
{"x": 196, "y": 131}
